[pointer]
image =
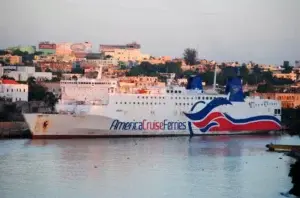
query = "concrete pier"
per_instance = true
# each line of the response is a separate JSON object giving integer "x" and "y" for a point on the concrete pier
{"x": 14, "y": 130}
{"x": 283, "y": 148}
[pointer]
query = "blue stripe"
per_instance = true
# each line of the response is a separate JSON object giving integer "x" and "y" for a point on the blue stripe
{"x": 207, "y": 109}
{"x": 251, "y": 119}
{"x": 207, "y": 127}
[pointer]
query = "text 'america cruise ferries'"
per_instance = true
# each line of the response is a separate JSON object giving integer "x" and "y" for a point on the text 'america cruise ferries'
{"x": 97, "y": 107}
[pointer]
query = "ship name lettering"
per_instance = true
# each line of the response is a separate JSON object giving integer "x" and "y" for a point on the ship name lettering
{"x": 147, "y": 125}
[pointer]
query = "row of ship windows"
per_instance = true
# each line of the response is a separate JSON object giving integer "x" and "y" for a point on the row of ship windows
{"x": 175, "y": 91}
{"x": 177, "y": 104}
{"x": 146, "y": 103}
{"x": 192, "y": 98}
{"x": 277, "y": 111}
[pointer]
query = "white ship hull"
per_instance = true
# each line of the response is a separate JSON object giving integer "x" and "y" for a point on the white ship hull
{"x": 68, "y": 126}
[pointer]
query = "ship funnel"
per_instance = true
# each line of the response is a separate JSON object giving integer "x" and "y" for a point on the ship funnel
{"x": 234, "y": 87}
{"x": 194, "y": 82}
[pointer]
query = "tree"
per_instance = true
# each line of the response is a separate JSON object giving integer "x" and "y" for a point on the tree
{"x": 31, "y": 81}
{"x": 190, "y": 56}
{"x": 172, "y": 67}
{"x": 3, "y": 52}
{"x": 36, "y": 92}
{"x": 265, "y": 88}
{"x": 38, "y": 53}
{"x": 50, "y": 100}
{"x": 48, "y": 70}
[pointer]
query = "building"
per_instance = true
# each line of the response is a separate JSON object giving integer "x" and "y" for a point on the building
{"x": 73, "y": 48}
{"x": 292, "y": 76}
{"x": 112, "y": 72}
{"x": 271, "y": 68}
{"x": 288, "y": 100}
{"x": 124, "y": 53}
{"x": 15, "y": 60}
{"x": 22, "y": 73}
{"x": 99, "y": 62}
{"x": 158, "y": 60}
{"x": 297, "y": 63}
{"x": 11, "y": 90}
{"x": 56, "y": 66}
{"x": 47, "y": 48}
{"x": 43, "y": 58}
{"x": 30, "y": 49}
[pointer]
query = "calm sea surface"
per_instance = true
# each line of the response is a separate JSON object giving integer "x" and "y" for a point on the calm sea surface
{"x": 139, "y": 168}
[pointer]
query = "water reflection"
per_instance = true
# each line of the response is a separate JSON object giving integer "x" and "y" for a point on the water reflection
{"x": 227, "y": 145}
{"x": 207, "y": 166}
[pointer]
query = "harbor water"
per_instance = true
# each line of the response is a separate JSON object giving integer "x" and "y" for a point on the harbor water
{"x": 177, "y": 167}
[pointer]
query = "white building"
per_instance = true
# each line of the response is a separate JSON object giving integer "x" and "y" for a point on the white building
{"x": 22, "y": 73}
{"x": 104, "y": 63}
{"x": 10, "y": 89}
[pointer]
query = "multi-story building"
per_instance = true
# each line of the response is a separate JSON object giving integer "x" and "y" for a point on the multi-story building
{"x": 271, "y": 68}
{"x": 292, "y": 76}
{"x": 43, "y": 58}
{"x": 15, "y": 60}
{"x": 11, "y": 90}
{"x": 47, "y": 48}
{"x": 22, "y": 73}
{"x": 297, "y": 63}
{"x": 99, "y": 62}
{"x": 158, "y": 60}
{"x": 73, "y": 48}
{"x": 56, "y": 66}
{"x": 124, "y": 53}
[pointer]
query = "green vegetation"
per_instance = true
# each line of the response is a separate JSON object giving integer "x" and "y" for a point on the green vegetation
{"x": 190, "y": 56}
{"x": 264, "y": 79}
{"x": 291, "y": 120}
{"x": 38, "y": 92}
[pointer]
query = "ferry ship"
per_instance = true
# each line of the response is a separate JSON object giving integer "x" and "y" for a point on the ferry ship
{"x": 97, "y": 107}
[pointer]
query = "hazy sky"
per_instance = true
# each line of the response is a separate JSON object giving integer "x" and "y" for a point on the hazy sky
{"x": 265, "y": 31}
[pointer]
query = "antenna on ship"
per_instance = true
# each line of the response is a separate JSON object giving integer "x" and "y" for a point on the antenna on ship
{"x": 215, "y": 78}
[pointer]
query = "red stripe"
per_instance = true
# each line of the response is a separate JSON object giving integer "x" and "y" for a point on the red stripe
{"x": 208, "y": 119}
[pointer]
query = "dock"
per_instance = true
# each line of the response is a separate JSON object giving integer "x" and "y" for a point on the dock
{"x": 283, "y": 148}
{"x": 9, "y": 130}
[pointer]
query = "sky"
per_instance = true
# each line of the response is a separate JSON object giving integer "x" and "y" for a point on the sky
{"x": 263, "y": 31}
